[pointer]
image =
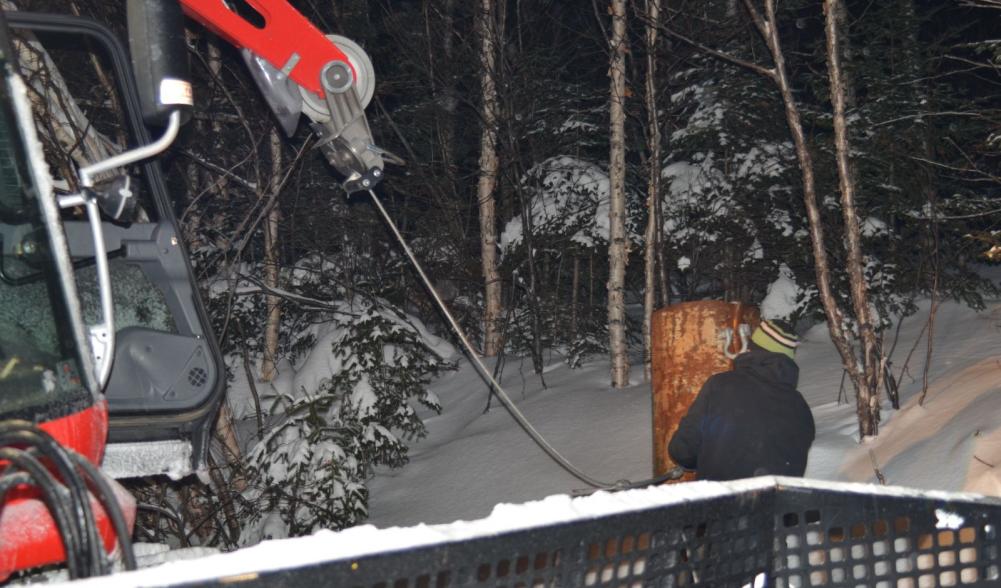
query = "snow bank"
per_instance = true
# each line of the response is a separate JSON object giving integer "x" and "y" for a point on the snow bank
{"x": 952, "y": 441}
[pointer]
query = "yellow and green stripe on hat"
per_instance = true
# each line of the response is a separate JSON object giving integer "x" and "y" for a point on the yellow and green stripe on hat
{"x": 770, "y": 336}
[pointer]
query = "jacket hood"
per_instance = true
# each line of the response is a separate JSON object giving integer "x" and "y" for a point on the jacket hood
{"x": 773, "y": 367}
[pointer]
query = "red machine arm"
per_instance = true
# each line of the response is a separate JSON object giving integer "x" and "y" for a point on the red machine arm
{"x": 287, "y": 39}
{"x": 300, "y": 70}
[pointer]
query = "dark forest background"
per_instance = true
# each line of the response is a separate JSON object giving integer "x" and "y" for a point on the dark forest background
{"x": 924, "y": 106}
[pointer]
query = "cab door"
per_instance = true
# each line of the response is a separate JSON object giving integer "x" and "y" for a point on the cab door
{"x": 167, "y": 378}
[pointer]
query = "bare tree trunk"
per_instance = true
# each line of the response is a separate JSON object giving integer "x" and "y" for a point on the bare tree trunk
{"x": 662, "y": 272}
{"x": 912, "y": 66}
{"x": 214, "y": 59}
{"x": 488, "y": 178}
{"x": 273, "y": 322}
{"x": 440, "y": 55}
{"x": 653, "y": 186}
{"x": 617, "y": 248}
{"x": 193, "y": 220}
{"x": 225, "y": 434}
{"x": 226, "y": 498}
{"x": 449, "y": 99}
{"x": 575, "y": 296}
{"x": 933, "y": 309}
{"x": 663, "y": 275}
{"x": 868, "y": 390}
{"x": 590, "y": 282}
{"x": 767, "y": 26}
{"x": 534, "y": 304}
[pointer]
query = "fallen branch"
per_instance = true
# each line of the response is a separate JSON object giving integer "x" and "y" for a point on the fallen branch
{"x": 875, "y": 468}
{"x": 990, "y": 465}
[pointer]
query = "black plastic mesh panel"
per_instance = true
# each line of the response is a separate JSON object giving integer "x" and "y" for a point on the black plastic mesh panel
{"x": 777, "y": 536}
{"x": 830, "y": 539}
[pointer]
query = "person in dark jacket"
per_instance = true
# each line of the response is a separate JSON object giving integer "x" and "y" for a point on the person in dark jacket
{"x": 750, "y": 421}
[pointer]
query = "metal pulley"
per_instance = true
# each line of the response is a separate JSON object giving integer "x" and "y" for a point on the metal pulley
{"x": 315, "y": 107}
{"x": 336, "y": 113}
{"x": 339, "y": 118}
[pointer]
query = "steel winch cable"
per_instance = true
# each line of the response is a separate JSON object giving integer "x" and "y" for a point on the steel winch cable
{"x": 496, "y": 387}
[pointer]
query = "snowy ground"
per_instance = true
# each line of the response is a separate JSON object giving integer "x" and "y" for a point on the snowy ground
{"x": 952, "y": 441}
{"x": 471, "y": 460}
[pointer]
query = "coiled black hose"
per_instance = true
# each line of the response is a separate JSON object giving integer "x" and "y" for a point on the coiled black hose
{"x": 55, "y": 497}
{"x": 22, "y": 433}
{"x": 106, "y": 496}
{"x": 63, "y": 476}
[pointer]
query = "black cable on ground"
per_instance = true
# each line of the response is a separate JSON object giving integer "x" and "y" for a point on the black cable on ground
{"x": 672, "y": 474}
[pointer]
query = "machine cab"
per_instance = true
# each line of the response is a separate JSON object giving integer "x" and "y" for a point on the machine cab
{"x": 159, "y": 369}
{"x": 46, "y": 372}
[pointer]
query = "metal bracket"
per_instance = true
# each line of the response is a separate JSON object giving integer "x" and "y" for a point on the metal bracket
{"x": 346, "y": 140}
{"x": 102, "y": 334}
{"x": 744, "y": 331}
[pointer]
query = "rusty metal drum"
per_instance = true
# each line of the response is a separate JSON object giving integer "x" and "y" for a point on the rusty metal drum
{"x": 689, "y": 340}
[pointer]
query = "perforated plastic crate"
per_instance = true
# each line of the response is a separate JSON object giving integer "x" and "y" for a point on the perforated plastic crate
{"x": 780, "y": 532}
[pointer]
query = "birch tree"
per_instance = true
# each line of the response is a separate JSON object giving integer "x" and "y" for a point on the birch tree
{"x": 272, "y": 325}
{"x": 861, "y": 370}
{"x": 653, "y": 186}
{"x": 866, "y": 380}
{"x": 618, "y": 250}
{"x": 487, "y": 16}
{"x": 767, "y": 25}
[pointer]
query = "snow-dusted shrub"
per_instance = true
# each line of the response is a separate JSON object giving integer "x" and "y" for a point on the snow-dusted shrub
{"x": 351, "y": 376}
{"x": 347, "y": 407}
{"x": 731, "y": 212}
{"x": 568, "y": 205}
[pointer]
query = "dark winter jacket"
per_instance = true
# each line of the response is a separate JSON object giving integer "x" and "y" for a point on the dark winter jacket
{"x": 750, "y": 421}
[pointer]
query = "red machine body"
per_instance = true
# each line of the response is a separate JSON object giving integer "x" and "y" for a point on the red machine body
{"x": 287, "y": 39}
{"x": 30, "y": 537}
{"x": 86, "y": 432}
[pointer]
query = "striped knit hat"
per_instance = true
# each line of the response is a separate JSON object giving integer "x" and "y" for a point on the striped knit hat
{"x": 777, "y": 337}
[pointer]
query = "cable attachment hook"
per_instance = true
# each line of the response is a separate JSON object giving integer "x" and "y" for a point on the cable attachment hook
{"x": 744, "y": 331}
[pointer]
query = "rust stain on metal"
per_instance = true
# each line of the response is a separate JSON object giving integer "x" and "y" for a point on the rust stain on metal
{"x": 688, "y": 345}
